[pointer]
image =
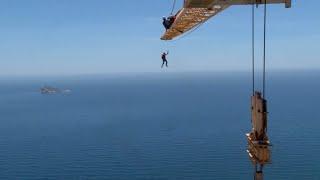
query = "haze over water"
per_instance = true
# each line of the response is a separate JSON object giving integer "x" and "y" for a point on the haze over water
{"x": 150, "y": 126}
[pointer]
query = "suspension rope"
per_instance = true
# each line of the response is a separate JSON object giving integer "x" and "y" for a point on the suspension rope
{"x": 264, "y": 49}
{"x": 173, "y": 7}
{"x": 253, "y": 49}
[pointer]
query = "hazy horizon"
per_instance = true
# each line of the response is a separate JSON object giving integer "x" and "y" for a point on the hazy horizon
{"x": 92, "y": 37}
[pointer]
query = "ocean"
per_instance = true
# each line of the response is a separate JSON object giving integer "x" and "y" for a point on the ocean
{"x": 156, "y": 126}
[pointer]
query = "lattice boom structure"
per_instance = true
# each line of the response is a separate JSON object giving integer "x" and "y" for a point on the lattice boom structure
{"x": 196, "y": 12}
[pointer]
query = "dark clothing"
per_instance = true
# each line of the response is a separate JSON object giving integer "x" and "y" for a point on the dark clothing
{"x": 164, "y": 57}
{"x": 167, "y": 22}
{"x": 164, "y": 62}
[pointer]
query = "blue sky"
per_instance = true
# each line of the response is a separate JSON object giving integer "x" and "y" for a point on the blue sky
{"x": 67, "y": 37}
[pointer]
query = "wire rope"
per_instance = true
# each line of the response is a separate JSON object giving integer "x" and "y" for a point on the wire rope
{"x": 264, "y": 48}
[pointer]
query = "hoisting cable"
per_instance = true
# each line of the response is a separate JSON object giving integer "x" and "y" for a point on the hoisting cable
{"x": 173, "y": 7}
{"x": 264, "y": 49}
{"x": 253, "y": 49}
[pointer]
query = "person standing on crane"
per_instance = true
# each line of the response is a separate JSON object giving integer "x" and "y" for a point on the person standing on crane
{"x": 164, "y": 59}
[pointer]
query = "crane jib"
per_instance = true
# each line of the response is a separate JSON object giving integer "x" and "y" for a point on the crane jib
{"x": 196, "y": 12}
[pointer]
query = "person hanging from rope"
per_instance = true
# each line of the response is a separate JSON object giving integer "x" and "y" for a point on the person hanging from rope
{"x": 164, "y": 59}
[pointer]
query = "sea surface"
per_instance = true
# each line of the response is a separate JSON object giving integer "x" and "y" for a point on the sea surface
{"x": 156, "y": 126}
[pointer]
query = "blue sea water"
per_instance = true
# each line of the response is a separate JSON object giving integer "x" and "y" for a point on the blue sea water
{"x": 156, "y": 126}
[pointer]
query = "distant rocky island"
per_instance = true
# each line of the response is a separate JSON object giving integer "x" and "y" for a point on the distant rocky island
{"x": 53, "y": 90}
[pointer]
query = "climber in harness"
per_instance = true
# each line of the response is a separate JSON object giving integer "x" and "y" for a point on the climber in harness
{"x": 167, "y": 22}
{"x": 164, "y": 59}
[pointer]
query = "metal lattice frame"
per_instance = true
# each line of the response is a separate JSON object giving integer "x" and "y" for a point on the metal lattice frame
{"x": 197, "y": 12}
